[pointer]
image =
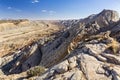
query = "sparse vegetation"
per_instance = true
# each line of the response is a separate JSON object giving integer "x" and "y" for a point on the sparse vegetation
{"x": 114, "y": 46}
{"x": 36, "y": 71}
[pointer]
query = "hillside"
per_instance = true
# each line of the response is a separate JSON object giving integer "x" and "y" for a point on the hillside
{"x": 84, "y": 49}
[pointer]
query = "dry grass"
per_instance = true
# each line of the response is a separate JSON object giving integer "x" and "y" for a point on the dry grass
{"x": 74, "y": 43}
{"x": 114, "y": 46}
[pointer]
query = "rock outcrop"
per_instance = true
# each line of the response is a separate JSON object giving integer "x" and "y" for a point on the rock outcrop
{"x": 58, "y": 49}
{"x": 27, "y": 58}
{"x": 91, "y": 59}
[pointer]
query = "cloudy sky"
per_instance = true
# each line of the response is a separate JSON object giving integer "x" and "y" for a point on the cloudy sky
{"x": 54, "y": 9}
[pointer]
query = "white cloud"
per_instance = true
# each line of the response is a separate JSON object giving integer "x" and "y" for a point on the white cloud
{"x": 18, "y": 10}
{"x": 14, "y": 9}
{"x": 9, "y": 7}
{"x": 35, "y": 1}
{"x": 44, "y": 11}
{"x": 51, "y": 12}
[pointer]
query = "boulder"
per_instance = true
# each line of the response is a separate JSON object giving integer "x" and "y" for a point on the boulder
{"x": 62, "y": 67}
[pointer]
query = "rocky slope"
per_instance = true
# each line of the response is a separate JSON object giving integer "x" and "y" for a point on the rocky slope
{"x": 85, "y": 49}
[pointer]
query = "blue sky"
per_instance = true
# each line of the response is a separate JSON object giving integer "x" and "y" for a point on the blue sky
{"x": 54, "y": 9}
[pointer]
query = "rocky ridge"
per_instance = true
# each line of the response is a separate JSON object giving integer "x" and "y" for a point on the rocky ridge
{"x": 86, "y": 49}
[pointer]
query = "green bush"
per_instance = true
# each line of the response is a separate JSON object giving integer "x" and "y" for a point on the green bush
{"x": 36, "y": 71}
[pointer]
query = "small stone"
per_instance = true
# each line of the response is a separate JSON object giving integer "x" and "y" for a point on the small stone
{"x": 76, "y": 76}
{"x": 72, "y": 59}
{"x": 100, "y": 70}
{"x": 62, "y": 67}
{"x": 72, "y": 65}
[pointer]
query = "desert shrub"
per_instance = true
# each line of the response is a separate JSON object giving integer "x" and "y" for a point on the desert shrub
{"x": 36, "y": 71}
{"x": 114, "y": 46}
